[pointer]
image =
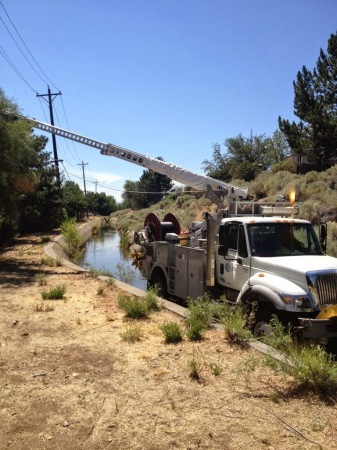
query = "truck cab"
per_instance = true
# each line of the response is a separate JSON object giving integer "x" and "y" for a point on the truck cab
{"x": 278, "y": 264}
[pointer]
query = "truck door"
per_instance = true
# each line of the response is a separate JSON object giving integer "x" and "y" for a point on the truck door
{"x": 233, "y": 260}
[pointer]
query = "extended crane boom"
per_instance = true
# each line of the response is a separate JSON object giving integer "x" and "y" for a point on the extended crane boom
{"x": 176, "y": 173}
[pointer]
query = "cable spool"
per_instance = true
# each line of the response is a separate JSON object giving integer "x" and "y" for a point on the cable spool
{"x": 175, "y": 222}
{"x": 157, "y": 230}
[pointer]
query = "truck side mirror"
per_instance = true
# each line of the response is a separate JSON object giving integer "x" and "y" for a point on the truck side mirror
{"x": 222, "y": 250}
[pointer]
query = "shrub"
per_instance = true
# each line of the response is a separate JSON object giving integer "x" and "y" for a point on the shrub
{"x": 172, "y": 332}
{"x": 235, "y": 321}
{"x": 56, "y": 293}
{"x": 134, "y": 307}
{"x": 72, "y": 238}
{"x": 311, "y": 367}
{"x": 200, "y": 314}
{"x": 152, "y": 300}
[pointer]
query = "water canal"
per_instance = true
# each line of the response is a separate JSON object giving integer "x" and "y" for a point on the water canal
{"x": 103, "y": 252}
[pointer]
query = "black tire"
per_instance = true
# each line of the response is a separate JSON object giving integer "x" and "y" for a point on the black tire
{"x": 158, "y": 282}
{"x": 261, "y": 325}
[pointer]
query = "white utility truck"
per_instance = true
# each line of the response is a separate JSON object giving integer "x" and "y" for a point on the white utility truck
{"x": 251, "y": 253}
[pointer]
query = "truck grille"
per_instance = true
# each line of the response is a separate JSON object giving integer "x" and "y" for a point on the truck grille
{"x": 326, "y": 286}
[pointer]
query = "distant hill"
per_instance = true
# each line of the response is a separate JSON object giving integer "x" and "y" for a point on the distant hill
{"x": 316, "y": 198}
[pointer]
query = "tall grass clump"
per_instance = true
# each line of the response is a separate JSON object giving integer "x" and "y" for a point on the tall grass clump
{"x": 56, "y": 293}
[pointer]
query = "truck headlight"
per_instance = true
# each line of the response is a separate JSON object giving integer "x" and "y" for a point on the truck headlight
{"x": 296, "y": 301}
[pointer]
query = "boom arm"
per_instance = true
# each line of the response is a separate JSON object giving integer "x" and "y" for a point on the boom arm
{"x": 176, "y": 173}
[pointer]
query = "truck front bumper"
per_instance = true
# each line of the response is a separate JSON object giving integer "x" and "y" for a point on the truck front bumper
{"x": 317, "y": 328}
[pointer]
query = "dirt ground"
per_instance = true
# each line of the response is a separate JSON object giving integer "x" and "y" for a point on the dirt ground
{"x": 69, "y": 381}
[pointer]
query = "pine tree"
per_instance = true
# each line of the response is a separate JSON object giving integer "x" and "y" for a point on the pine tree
{"x": 315, "y": 104}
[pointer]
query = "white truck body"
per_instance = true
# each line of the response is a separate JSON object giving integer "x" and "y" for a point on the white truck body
{"x": 248, "y": 269}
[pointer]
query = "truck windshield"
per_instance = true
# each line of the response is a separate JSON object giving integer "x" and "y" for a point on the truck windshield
{"x": 283, "y": 239}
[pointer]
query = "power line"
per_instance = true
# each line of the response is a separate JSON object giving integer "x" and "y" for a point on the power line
{"x": 65, "y": 115}
{"x": 65, "y": 141}
{"x": 21, "y": 50}
{"x": 16, "y": 70}
{"x": 30, "y": 53}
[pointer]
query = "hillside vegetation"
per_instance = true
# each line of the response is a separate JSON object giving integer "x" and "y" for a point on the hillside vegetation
{"x": 316, "y": 199}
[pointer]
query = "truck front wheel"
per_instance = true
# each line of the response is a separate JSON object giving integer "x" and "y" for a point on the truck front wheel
{"x": 261, "y": 326}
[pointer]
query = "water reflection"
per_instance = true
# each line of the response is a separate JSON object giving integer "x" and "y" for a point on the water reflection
{"x": 104, "y": 253}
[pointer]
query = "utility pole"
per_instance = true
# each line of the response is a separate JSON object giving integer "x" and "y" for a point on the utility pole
{"x": 96, "y": 183}
{"x": 51, "y": 97}
{"x": 83, "y": 164}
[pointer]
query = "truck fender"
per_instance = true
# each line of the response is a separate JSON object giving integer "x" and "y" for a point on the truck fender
{"x": 260, "y": 294}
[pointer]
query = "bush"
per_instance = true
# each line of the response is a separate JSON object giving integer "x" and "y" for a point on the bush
{"x": 200, "y": 314}
{"x": 311, "y": 367}
{"x": 72, "y": 238}
{"x": 134, "y": 307}
{"x": 235, "y": 321}
{"x": 172, "y": 332}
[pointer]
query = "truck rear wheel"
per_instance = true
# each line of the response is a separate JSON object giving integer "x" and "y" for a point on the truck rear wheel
{"x": 158, "y": 282}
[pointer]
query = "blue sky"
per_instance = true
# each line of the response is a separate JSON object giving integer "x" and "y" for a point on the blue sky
{"x": 160, "y": 77}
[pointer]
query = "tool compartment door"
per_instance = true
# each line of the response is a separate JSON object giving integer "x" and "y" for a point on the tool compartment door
{"x": 189, "y": 272}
